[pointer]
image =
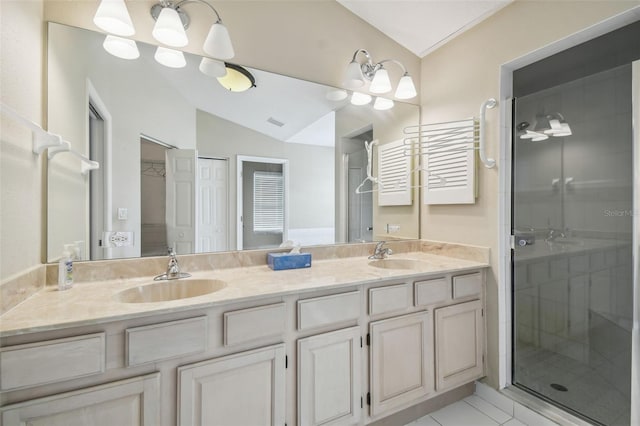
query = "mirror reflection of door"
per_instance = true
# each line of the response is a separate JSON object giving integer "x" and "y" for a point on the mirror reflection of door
{"x": 263, "y": 204}
{"x": 173, "y": 213}
{"x": 213, "y": 190}
{"x": 97, "y": 146}
{"x": 153, "y": 237}
{"x": 360, "y": 206}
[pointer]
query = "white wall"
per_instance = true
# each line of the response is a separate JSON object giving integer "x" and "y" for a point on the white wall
{"x": 311, "y": 170}
{"x": 21, "y": 188}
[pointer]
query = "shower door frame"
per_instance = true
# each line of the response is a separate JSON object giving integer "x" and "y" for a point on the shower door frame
{"x": 505, "y": 305}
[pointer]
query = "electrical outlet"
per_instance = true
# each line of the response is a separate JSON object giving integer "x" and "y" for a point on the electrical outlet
{"x": 392, "y": 228}
{"x": 117, "y": 239}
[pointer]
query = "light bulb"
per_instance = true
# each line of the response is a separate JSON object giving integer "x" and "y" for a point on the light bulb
{"x": 218, "y": 43}
{"x": 113, "y": 17}
{"x": 212, "y": 67}
{"x": 121, "y": 47}
{"x": 169, "y": 29}
{"x": 353, "y": 78}
{"x": 170, "y": 58}
{"x": 358, "y": 98}
{"x": 382, "y": 104}
{"x": 380, "y": 82}
{"x": 406, "y": 89}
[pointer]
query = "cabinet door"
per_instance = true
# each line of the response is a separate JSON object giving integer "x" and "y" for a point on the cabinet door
{"x": 126, "y": 402}
{"x": 459, "y": 344}
{"x": 241, "y": 389}
{"x": 401, "y": 361}
{"x": 329, "y": 378}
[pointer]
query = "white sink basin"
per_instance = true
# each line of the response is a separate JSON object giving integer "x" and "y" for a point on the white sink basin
{"x": 403, "y": 264}
{"x": 170, "y": 290}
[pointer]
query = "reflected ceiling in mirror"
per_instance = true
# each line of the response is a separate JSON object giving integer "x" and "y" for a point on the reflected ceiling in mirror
{"x": 186, "y": 163}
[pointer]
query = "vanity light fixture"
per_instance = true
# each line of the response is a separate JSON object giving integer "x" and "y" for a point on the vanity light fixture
{"x": 172, "y": 21}
{"x": 358, "y": 74}
{"x": 237, "y": 79}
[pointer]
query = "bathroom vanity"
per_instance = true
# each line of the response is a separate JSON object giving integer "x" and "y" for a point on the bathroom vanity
{"x": 347, "y": 341}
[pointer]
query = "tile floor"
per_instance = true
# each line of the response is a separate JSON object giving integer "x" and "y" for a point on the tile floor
{"x": 474, "y": 411}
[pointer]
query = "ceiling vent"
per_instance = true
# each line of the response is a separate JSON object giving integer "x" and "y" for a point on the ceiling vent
{"x": 275, "y": 122}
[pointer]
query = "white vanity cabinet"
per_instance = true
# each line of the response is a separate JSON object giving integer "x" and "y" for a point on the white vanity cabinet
{"x": 459, "y": 335}
{"x": 400, "y": 361}
{"x": 132, "y": 402}
{"x": 349, "y": 355}
{"x": 240, "y": 389}
{"x": 329, "y": 378}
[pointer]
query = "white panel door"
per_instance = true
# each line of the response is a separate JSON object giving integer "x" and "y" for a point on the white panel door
{"x": 237, "y": 390}
{"x": 127, "y": 402}
{"x": 329, "y": 378}
{"x": 181, "y": 199}
{"x": 213, "y": 205}
{"x": 401, "y": 362}
{"x": 459, "y": 344}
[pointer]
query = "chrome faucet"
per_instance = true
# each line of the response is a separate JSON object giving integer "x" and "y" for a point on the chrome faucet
{"x": 553, "y": 234}
{"x": 173, "y": 269}
{"x": 380, "y": 252}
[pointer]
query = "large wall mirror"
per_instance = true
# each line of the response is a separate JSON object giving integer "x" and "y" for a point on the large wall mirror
{"x": 186, "y": 163}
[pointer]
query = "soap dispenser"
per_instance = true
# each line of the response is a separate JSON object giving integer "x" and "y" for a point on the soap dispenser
{"x": 65, "y": 268}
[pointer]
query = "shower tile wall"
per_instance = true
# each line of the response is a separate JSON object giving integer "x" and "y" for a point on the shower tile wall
{"x": 573, "y": 298}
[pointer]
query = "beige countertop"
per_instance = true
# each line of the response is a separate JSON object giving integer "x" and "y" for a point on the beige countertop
{"x": 96, "y": 302}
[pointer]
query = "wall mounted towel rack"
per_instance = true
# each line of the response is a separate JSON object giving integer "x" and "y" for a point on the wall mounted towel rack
{"x": 44, "y": 140}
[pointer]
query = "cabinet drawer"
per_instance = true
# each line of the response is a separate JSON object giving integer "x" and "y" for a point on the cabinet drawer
{"x": 246, "y": 325}
{"x": 51, "y": 361}
{"x": 433, "y": 291}
{"x": 166, "y": 340}
{"x": 467, "y": 285}
{"x": 327, "y": 310}
{"x": 393, "y": 298}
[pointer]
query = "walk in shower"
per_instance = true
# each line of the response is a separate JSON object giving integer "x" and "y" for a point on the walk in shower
{"x": 572, "y": 220}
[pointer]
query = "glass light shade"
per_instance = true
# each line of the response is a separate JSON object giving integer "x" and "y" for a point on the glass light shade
{"x": 169, "y": 29}
{"x": 170, "y": 58}
{"x": 380, "y": 82}
{"x": 113, "y": 17}
{"x": 534, "y": 136}
{"x": 558, "y": 128}
{"x": 212, "y": 67}
{"x": 337, "y": 95}
{"x": 406, "y": 89}
{"x": 358, "y": 98}
{"x": 218, "y": 43}
{"x": 237, "y": 79}
{"x": 121, "y": 47}
{"x": 382, "y": 104}
{"x": 353, "y": 78}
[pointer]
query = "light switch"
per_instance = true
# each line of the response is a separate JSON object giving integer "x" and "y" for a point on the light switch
{"x": 123, "y": 213}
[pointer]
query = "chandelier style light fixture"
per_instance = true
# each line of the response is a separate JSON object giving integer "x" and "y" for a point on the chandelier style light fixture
{"x": 358, "y": 73}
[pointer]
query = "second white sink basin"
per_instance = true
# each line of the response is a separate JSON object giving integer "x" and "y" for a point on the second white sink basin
{"x": 165, "y": 291}
{"x": 403, "y": 264}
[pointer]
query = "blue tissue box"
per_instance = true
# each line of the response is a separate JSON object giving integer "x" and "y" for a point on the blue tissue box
{"x": 281, "y": 261}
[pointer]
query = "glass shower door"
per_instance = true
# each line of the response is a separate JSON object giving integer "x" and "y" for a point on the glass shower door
{"x": 572, "y": 216}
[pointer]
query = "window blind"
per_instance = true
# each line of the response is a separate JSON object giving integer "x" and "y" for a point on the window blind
{"x": 268, "y": 202}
